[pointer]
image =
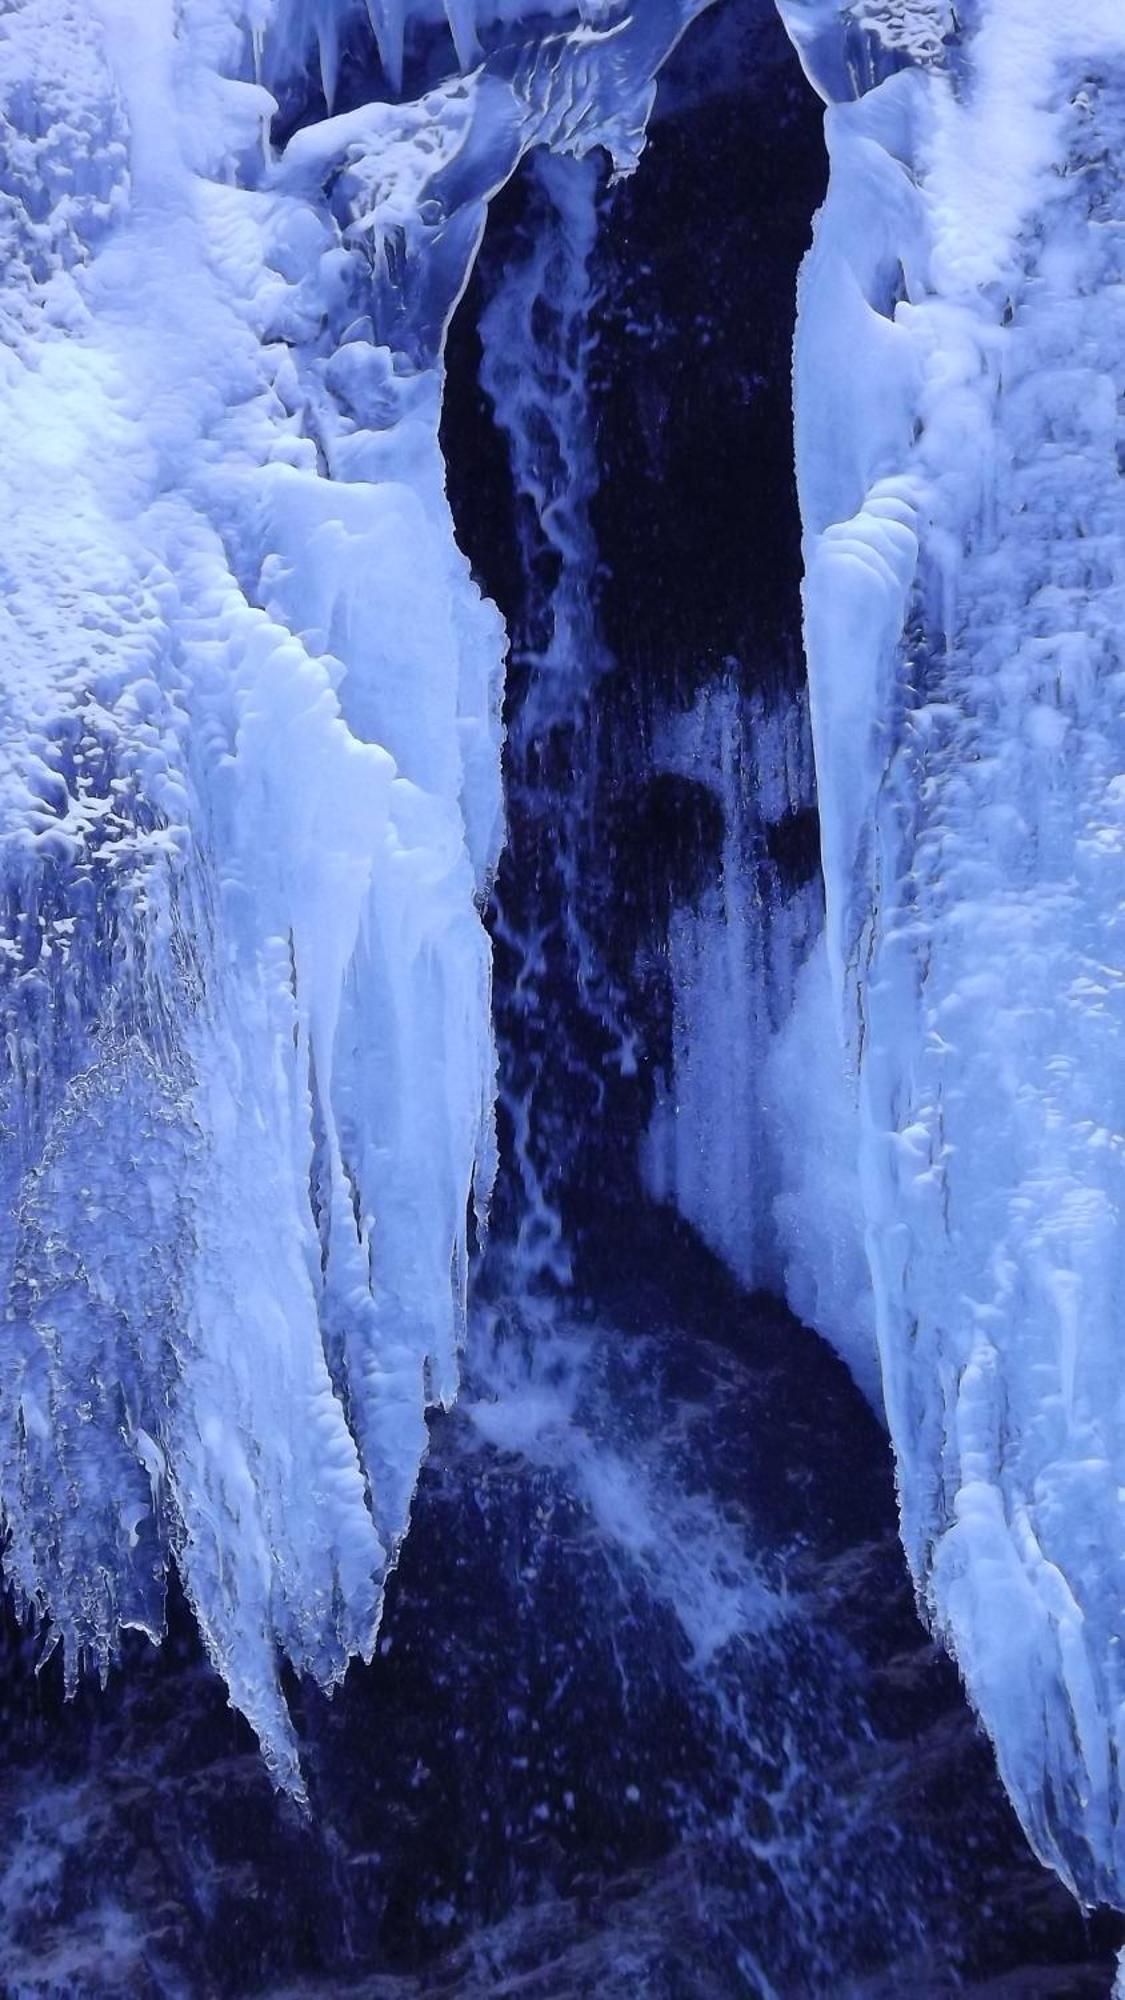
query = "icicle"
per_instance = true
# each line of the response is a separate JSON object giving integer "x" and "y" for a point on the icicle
{"x": 462, "y": 18}
{"x": 261, "y": 1181}
{"x": 388, "y": 24}
{"x": 329, "y": 48}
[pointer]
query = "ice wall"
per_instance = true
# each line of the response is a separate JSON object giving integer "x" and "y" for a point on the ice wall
{"x": 958, "y": 381}
{"x": 250, "y": 798}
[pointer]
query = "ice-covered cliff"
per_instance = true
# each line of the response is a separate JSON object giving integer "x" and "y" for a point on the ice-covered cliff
{"x": 250, "y": 804}
{"x": 959, "y": 371}
{"x": 249, "y": 776}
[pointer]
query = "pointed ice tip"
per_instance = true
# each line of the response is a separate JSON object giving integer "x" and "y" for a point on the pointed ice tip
{"x": 388, "y": 25}
{"x": 462, "y": 18}
{"x": 329, "y": 62}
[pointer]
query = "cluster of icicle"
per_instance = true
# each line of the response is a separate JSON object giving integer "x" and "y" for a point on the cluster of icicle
{"x": 958, "y": 370}
{"x": 249, "y": 780}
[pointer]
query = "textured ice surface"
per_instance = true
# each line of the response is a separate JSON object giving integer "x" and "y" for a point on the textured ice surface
{"x": 249, "y": 793}
{"x": 732, "y": 953}
{"x": 754, "y": 1132}
{"x": 958, "y": 379}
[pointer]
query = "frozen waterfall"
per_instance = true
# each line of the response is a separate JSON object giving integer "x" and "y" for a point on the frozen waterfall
{"x": 251, "y": 814}
{"x": 958, "y": 382}
{"x": 250, "y": 782}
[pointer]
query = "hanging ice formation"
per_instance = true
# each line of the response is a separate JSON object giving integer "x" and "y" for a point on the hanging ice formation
{"x": 249, "y": 775}
{"x": 753, "y": 1134}
{"x": 958, "y": 380}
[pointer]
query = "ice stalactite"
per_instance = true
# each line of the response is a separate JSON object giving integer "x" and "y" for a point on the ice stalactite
{"x": 734, "y": 956}
{"x": 958, "y": 380}
{"x": 249, "y": 768}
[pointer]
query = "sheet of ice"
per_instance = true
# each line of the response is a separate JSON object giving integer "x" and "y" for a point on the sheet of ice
{"x": 958, "y": 377}
{"x": 754, "y": 1134}
{"x": 249, "y": 801}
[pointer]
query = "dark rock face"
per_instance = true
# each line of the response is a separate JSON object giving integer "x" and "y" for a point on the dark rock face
{"x": 697, "y": 516}
{"x": 692, "y": 584}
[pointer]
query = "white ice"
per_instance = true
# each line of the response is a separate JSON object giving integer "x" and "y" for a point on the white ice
{"x": 249, "y": 803}
{"x": 958, "y": 381}
{"x": 754, "y": 1134}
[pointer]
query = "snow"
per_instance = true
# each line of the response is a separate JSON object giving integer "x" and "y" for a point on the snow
{"x": 249, "y": 785}
{"x": 957, "y": 375}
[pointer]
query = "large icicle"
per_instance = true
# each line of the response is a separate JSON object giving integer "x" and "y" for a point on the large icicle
{"x": 250, "y": 792}
{"x": 958, "y": 377}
